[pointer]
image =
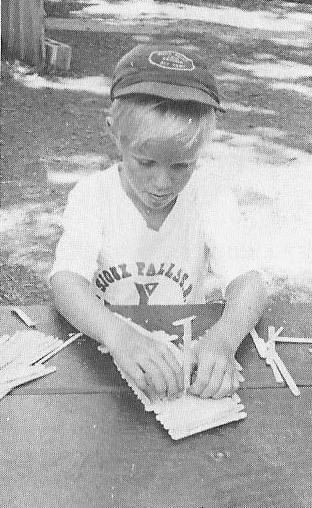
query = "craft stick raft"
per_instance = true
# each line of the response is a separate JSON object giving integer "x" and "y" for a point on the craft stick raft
{"x": 187, "y": 414}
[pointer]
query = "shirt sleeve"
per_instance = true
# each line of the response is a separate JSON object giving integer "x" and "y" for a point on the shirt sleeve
{"x": 79, "y": 246}
{"x": 226, "y": 238}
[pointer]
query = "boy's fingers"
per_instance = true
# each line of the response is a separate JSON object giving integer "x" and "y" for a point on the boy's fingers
{"x": 154, "y": 376}
{"x": 134, "y": 373}
{"x": 203, "y": 376}
{"x": 238, "y": 377}
{"x": 235, "y": 385}
{"x": 169, "y": 376}
{"x": 216, "y": 380}
{"x": 238, "y": 365}
{"x": 174, "y": 365}
{"x": 150, "y": 389}
{"x": 227, "y": 388}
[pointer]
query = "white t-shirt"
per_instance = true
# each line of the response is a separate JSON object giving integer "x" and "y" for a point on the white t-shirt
{"x": 197, "y": 251}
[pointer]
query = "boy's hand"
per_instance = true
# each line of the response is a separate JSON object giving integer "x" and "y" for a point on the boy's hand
{"x": 149, "y": 363}
{"x": 217, "y": 374}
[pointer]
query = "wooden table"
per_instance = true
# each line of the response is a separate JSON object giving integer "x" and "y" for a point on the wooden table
{"x": 79, "y": 438}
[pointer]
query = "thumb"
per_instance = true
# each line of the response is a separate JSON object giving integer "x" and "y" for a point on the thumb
{"x": 202, "y": 378}
{"x": 237, "y": 365}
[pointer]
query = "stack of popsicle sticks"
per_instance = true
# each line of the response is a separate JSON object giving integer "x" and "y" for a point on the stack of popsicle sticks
{"x": 23, "y": 354}
{"x": 187, "y": 414}
{"x": 267, "y": 351}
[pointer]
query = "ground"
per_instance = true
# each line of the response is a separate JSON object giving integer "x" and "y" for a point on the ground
{"x": 51, "y": 137}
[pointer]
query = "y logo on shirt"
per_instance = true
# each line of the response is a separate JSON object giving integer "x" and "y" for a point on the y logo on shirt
{"x": 145, "y": 291}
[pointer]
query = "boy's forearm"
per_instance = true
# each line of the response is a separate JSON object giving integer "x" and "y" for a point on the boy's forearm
{"x": 76, "y": 302}
{"x": 246, "y": 298}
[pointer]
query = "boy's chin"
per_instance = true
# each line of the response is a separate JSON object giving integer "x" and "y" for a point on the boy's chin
{"x": 160, "y": 202}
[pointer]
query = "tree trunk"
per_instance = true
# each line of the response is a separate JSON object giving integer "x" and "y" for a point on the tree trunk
{"x": 23, "y": 30}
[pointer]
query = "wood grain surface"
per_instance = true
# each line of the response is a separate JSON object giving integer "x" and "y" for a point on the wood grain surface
{"x": 103, "y": 450}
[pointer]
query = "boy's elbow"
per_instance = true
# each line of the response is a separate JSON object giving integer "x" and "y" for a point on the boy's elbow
{"x": 58, "y": 283}
{"x": 252, "y": 277}
{"x": 252, "y": 283}
{"x": 258, "y": 288}
{"x": 257, "y": 279}
{"x": 64, "y": 284}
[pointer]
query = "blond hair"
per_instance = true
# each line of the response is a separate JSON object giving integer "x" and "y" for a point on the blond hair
{"x": 140, "y": 119}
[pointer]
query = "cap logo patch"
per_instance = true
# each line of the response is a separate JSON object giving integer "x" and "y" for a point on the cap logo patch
{"x": 171, "y": 60}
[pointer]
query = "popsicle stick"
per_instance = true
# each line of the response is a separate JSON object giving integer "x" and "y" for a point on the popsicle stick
{"x": 182, "y": 433}
{"x": 7, "y": 388}
{"x": 18, "y": 354}
{"x": 286, "y": 375}
{"x": 187, "y": 355}
{"x": 36, "y": 375}
{"x": 18, "y": 372}
{"x": 59, "y": 348}
{"x": 23, "y": 317}
{"x": 276, "y": 372}
{"x": 45, "y": 352}
{"x": 270, "y": 353}
{"x": 187, "y": 349}
{"x": 295, "y": 340}
{"x": 270, "y": 346}
{"x": 271, "y": 333}
{"x": 277, "y": 332}
{"x": 259, "y": 343}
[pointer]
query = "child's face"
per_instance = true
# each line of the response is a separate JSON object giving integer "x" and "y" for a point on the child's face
{"x": 154, "y": 174}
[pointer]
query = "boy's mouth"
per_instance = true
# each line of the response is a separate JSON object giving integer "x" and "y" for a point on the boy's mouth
{"x": 160, "y": 200}
{"x": 159, "y": 196}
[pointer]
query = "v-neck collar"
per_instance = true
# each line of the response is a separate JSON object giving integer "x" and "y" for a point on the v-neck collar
{"x": 128, "y": 201}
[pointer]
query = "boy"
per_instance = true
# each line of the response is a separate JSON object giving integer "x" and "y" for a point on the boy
{"x": 155, "y": 229}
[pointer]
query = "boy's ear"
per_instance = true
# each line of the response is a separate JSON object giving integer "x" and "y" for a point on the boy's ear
{"x": 117, "y": 138}
{"x": 109, "y": 125}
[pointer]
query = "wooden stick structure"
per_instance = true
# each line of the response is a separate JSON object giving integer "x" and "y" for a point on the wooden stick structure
{"x": 267, "y": 351}
{"x": 22, "y": 356}
{"x": 187, "y": 414}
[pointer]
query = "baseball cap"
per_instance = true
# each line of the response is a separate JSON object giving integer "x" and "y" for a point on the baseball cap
{"x": 165, "y": 71}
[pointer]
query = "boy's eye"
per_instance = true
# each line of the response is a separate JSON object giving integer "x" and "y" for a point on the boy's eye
{"x": 181, "y": 165}
{"x": 146, "y": 163}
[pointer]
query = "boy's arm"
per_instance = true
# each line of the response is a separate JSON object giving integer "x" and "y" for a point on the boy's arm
{"x": 74, "y": 299}
{"x": 246, "y": 298}
{"x": 151, "y": 365}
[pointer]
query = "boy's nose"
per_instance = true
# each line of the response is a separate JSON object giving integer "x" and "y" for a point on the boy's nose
{"x": 162, "y": 180}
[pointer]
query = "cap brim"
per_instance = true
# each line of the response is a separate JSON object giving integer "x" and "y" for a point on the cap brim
{"x": 169, "y": 91}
